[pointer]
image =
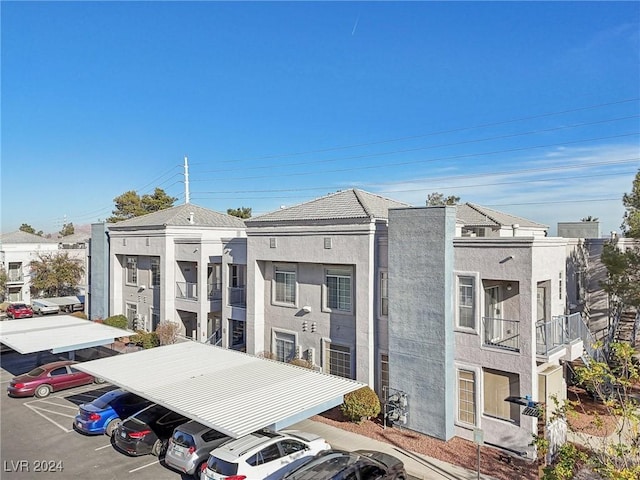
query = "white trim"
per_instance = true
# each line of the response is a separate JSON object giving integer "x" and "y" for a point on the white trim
{"x": 284, "y": 268}
{"x": 477, "y": 298}
{"x": 477, "y": 374}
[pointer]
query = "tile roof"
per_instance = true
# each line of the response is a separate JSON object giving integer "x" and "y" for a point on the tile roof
{"x": 24, "y": 237}
{"x": 179, "y": 216}
{"x": 475, "y": 215}
{"x": 346, "y": 204}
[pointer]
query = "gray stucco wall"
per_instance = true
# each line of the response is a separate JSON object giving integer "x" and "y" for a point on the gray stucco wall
{"x": 421, "y": 341}
{"x": 579, "y": 229}
{"x": 98, "y": 288}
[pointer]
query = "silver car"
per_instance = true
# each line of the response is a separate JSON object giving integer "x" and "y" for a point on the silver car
{"x": 189, "y": 447}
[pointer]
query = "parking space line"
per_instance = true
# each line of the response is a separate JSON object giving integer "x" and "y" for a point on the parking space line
{"x": 52, "y": 411}
{"x": 144, "y": 466}
{"x": 74, "y": 407}
{"x": 35, "y": 410}
{"x": 104, "y": 446}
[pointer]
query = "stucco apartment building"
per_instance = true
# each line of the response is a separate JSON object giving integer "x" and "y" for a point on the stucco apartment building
{"x": 452, "y": 308}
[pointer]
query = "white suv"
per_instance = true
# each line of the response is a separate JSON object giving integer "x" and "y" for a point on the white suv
{"x": 262, "y": 455}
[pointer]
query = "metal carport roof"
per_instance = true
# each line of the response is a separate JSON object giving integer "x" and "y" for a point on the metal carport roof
{"x": 232, "y": 392}
{"x": 58, "y": 333}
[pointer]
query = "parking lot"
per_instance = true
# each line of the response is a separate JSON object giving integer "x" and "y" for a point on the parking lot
{"x": 38, "y": 441}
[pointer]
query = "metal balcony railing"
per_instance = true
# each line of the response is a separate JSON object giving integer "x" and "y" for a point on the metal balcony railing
{"x": 237, "y": 296}
{"x": 187, "y": 290}
{"x": 562, "y": 330}
{"x": 214, "y": 291}
{"x": 501, "y": 333}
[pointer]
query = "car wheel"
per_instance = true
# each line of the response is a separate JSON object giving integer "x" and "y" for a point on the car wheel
{"x": 99, "y": 380}
{"x": 198, "y": 470}
{"x": 158, "y": 448}
{"x": 43, "y": 391}
{"x": 111, "y": 426}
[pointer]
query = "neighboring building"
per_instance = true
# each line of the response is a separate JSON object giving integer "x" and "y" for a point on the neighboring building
{"x": 17, "y": 250}
{"x": 579, "y": 229}
{"x": 456, "y": 308}
{"x": 172, "y": 265}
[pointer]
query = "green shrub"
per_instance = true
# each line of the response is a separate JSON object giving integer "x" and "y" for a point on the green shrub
{"x": 361, "y": 404}
{"x": 117, "y": 321}
{"x": 145, "y": 339}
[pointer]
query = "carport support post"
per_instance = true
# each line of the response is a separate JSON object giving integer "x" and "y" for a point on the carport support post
{"x": 72, "y": 354}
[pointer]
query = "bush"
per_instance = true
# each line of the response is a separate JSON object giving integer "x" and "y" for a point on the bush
{"x": 117, "y": 321}
{"x": 79, "y": 315}
{"x": 145, "y": 339}
{"x": 361, "y": 404}
{"x": 301, "y": 362}
{"x": 167, "y": 332}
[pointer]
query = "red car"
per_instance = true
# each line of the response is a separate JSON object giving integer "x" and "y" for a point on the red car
{"x": 19, "y": 310}
{"x": 51, "y": 377}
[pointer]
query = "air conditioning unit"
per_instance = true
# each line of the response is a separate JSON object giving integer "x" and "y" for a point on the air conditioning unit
{"x": 310, "y": 355}
{"x": 298, "y": 352}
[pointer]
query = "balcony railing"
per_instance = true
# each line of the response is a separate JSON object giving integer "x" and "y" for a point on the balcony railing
{"x": 563, "y": 330}
{"x": 214, "y": 291}
{"x": 500, "y": 333}
{"x": 237, "y": 296}
{"x": 15, "y": 276}
{"x": 187, "y": 290}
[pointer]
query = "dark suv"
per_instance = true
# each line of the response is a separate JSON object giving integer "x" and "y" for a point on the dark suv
{"x": 147, "y": 431}
{"x": 189, "y": 447}
{"x": 358, "y": 465}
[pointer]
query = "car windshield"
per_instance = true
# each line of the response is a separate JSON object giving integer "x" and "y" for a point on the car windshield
{"x": 36, "y": 372}
{"x": 19, "y": 305}
{"x": 183, "y": 439}
{"x": 149, "y": 415}
{"x": 220, "y": 466}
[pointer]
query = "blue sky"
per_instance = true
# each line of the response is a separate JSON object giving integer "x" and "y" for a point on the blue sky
{"x": 531, "y": 108}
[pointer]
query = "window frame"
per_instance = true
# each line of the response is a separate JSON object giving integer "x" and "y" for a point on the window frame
{"x": 474, "y": 395}
{"x": 274, "y": 342}
{"x": 131, "y": 270}
{"x": 154, "y": 276}
{"x": 287, "y": 270}
{"x": 383, "y": 293}
{"x": 513, "y": 390}
{"x": 475, "y": 302}
{"x": 339, "y": 273}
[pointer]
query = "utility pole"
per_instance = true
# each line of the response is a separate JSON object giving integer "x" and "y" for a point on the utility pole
{"x": 186, "y": 180}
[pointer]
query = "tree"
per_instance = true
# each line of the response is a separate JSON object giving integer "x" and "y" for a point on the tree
{"x": 242, "y": 212}
{"x": 168, "y": 332}
{"x": 589, "y": 219}
{"x": 130, "y": 204}
{"x": 25, "y": 227}
{"x": 616, "y": 456}
{"x": 3, "y": 283}
{"x": 55, "y": 275}
{"x": 623, "y": 266}
{"x": 67, "y": 229}
{"x": 631, "y": 201}
{"x": 437, "y": 198}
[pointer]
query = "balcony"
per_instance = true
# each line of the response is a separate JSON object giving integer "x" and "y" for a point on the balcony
{"x": 501, "y": 334}
{"x": 15, "y": 276}
{"x": 562, "y": 332}
{"x": 187, "y": 290}
{"x": 214, "y": 291}
{"x": 237, "y": 296}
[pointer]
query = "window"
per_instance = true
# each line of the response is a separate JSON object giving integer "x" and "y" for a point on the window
{"x": 466, "y": 306}
{"x": 132, "y": 312}
{"x": 384, "y": 374}
{"x": 58, "y": 371}
{"x": 499, "y": 385}
{"x": 237, "y": 335}
{"x": 467, "y": 396}
{"x": 291, "y": 446}
{"x": 338, "y": 360}
{"x": 155, "y": 318}
{"x": 384, "y": 293}
{"x": 132, "y": 270}
{"x": 285, "y": 285}
{"x": 155, "y": 271}
{"x": 266, "y": 455}
{"x": 285, "y": 346}
{"x": 338, "y": 290}
{"x": 560, "y": 285}
{"x": 236, "y": 275}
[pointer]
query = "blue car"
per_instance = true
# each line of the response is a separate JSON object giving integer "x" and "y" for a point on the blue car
{"x": 105, "y": 413}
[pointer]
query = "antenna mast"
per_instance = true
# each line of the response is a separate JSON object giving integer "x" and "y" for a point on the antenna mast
{"x": 186, "y": 180}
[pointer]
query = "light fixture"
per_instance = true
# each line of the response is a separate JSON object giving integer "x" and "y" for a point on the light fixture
{"x": 509, "y": 286}
{"x": 306, "y": 309}
{"x": 142, "y": 287}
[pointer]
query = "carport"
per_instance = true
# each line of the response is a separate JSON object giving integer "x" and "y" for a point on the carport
{"x": 232, "y": 392}
{"x": 60, "y": 333}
